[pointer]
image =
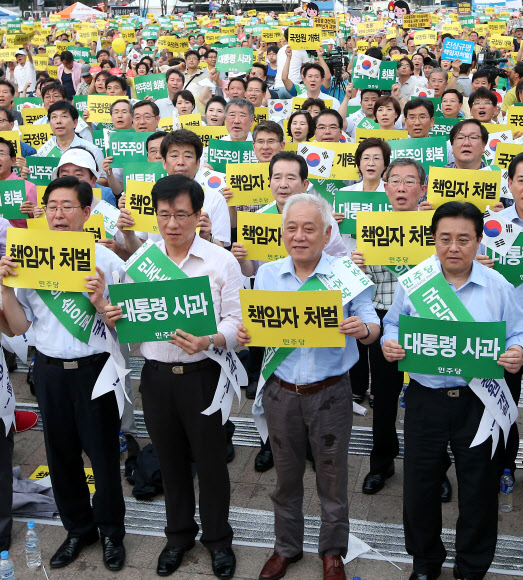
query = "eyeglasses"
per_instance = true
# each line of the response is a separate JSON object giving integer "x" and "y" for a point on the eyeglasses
{"x": 417, "y": 117}
{"x": 181, "y": 217}
{"x": 144, "y": 118}
{"x": 408, "y": 181}
{"x": 153, "y": 151}
{"x": 481, "y": 103}
{"x": 66, "y": 209}
{"x": 5, "y": 154}
{"x": 446, "y": 243}
{"x": 471, "y": 138}
{"x": 268, "y": 142}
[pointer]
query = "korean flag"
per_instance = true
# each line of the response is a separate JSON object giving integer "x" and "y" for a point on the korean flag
{"x": 423, "y": 93}
{"x": 492, "y": 143}
{"x": 319, "y": 160}
{"x": 367, "y": 66}
{"x": 212, "y": 181}
{"x": 498, "y": 233}
{"x": 280, "y": 108}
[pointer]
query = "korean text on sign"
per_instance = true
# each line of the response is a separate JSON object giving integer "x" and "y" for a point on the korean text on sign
{"x": 260, "y": 235}
{"x": 249, "y": 183}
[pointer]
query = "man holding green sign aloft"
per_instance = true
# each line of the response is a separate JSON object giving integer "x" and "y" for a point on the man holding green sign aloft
{"x": 181, "y": 377}
{"x": 447, "y": 407}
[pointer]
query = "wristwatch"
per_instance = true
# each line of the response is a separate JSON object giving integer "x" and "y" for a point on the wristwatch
{"x": 211, "y": 342}
{"x": 368, "y": 332}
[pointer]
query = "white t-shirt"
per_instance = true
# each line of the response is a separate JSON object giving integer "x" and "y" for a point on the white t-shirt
{"x": 298, "y": 59}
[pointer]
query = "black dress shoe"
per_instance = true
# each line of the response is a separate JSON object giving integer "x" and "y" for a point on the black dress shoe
{"x": 374, "y": 482}
{"x": 69, "y": 550}
{"x": 114, "y": 554}
{"x": 263, "y": 460}
{"x": 446, "y": 490}
{"x": 415, "y": 576}
{"x": 170, "y": 559}
{"x": 250, "y": 391}
{"x": 457, "y": 574}
{"x": 223, "y": 563}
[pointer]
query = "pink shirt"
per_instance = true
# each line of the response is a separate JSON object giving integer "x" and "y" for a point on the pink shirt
{"x": 30, "y": 189}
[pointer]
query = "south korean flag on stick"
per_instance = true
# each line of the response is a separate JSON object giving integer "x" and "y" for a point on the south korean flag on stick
{"x": 423, "y": 93}
{"x": 281, "y": 108}
{"x": 367, "y": 66}
{"x": 498, "y": 233}
{"x": 212, "y": 180}
{"x": 319, "y": 161}
{"x": 493, "y": 140}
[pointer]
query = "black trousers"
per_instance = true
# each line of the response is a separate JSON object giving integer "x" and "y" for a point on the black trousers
{"x": 172, "y": 406}
{"x": 359, "y": 373}
{"x": 6, "y": 486}
{"x": 387, "y": 383}
{"x": 433, "y": 419}
{"x": 507, "y": 453}
{"x": 73, "y": 422}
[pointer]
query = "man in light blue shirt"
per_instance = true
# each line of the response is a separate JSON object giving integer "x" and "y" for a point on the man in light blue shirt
{"x": 443, "y": 409}
{"x": 309, "y": 397}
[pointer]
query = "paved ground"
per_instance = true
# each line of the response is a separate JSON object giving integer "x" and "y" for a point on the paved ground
{"x": 249, "y": 490}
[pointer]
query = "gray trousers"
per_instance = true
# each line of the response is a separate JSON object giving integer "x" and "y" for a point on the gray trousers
{"x": 325, "y": 419}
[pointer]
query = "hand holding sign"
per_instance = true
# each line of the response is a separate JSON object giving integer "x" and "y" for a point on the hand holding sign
{"x": 392, "y": 350}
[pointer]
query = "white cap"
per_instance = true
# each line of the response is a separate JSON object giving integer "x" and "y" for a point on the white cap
{"x": 22, "y": 52}
{"x": 81, "y": 158}
{"x": 328, "y": 41}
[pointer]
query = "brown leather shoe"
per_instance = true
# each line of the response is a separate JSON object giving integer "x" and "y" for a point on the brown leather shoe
{"x": 276, "y": 566}
{"x": 333, "y": 568}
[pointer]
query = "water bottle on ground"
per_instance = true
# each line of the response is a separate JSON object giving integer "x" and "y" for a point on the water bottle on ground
{"x": 33, "y": 552}
{"x": 123, "y": 447}
{"x": 401, "y": 413}
{"x": 505, "y": 491}
{"x": 7, "y": 569}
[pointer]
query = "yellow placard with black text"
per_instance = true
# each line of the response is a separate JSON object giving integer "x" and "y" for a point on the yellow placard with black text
{"x": 260, "y": 235}
{"x": 344, "y": 165}
{"x": 35, "y": 135}
{"x": 304, "y": 38}
{"x": 505, "y": 152}
{"x": 249, "y": 183}
{"x": 99, "y": 108}
{"x": 385, "y": 134}
{"x": 139, "y": 202}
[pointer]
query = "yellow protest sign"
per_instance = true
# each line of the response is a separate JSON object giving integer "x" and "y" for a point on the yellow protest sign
{"x": 496, "y": 27}
{"x": 14, "y": 138}
{"x": 501, "y": 41}
{"x": 260, "y": 114}
{"x": 129, "y": 35}
{"x": 95, "y": 225}
{"x": 362, "y": 45}
{"x": 212, "y": 37}
{"x": 7, "y": 54}
{"x": 39, "y": 223}
{"x": 99, "y": 106}
{"x": 42, "y": 471}
{"x": 515, "y": 126}
{"x": 391, "y": 33}
{"x": 52, "y": 71}
{"x": 139, "y": 202}
{"x": 514, "y": 117}
{"x": 251, "y": 13}
{"x": 190, "y": 121}
{"x": 369, "y": 28}
{"x": 293, "y": 319}
{"x": 304, "y": 38}
{"x": 481, "y": 29}
{"x": 344, "y": 166}
{"x": 297, "y": 103}
{"x": 41, "y": 61}
{"x": 260, "y": 235}
{"x": 33, "y": 114}
{"x": 18, "y": 39}
{"x": 489, "y": 9}
{"x": 425, "y": 37}
{"x": 386, "y": 135}
{"x": 35, "y": 135}
{"x": 479, "y": 187}
{"x": 249, "y": 183}
{"x": 206, "y": 133}
{"x": 61, "y": 259}
{"x": 420, "y": 20}
{"x": 61, "y": 46}
{"x": 453, "y": 28}
{"x": 392, "y": 238}
{"x": 26, "y": 28}
{"x": 505, "y": 152}
{"x": 173, "y": 44}
{"x": 272, "y": 35}
{"x": 165, "y": 124}
{"x": 325, "y": 22}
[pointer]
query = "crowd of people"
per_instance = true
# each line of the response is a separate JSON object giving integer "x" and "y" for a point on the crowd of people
{"x": 307, "y": 401}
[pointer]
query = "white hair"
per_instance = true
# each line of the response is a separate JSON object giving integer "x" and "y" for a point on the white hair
{"x": 310, "y": 199}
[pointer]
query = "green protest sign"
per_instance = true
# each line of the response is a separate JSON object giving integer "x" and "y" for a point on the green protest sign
{"x": 327, "y": 188}
{"x": 230, "y": 39}
{"x": 41, "y": 169}
{"x": 510, "y": 265}
{"x": 351, "y": 202}
{"x": 442, "y": 347}
{"x": 429, "y": 151}
{"x": 154, "y": 86}
{"x": 149, "y": 263}
{"x": 442, "y": 126}
{"x": 80, "y": 103}
{"x": 148, "y": 34}
{"x": 467, "y": 21}
{"x": 80, "y": 53}
{"x": 12, "y": 194}
{"x": 234, "y": 60}
{"x": 223, "y": 152}
{"x": 387, "y": 77}
{"x": 153, "y": 310}
{"x": 99, "y": 140}
{"x": 366, "y": 123}
{"x": 436, "y": 101}
{"x": 351, "y": 109}
{"x": 23, "y": 102}
{"x": 125, "y": 146}
{"x": 143, "y": 171}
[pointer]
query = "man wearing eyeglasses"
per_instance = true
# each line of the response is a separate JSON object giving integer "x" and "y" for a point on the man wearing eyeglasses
{"x": 444, "y": 410}
{"x": 66, "y": 370}
{"x": 179, "y": 382}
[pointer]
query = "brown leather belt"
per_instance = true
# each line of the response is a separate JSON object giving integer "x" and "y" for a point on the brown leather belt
{"x": 311, "y": 388}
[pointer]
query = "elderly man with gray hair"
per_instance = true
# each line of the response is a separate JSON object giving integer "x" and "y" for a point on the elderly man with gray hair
{"x": 308, "y": 397}
{"x": 239, "y": 117}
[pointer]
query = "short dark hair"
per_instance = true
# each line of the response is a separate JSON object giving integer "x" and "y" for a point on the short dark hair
{"x": 63, "y": 106}
{"x": 145, "y": 64}
{"x": 237, "y": 80}
{"x": 84, "y": 191}
{"x": 6, "y": 83}
{"x": 154, "y": 107}
{"x": 329, "y": 112}
{"x": 170, "y": 187}
{"x": 262, "y": 66}
{"x": 453, "y": 92}
{"x": 103, "y": 51}
{"x": 210, "y": 51}
{"x": 456, "y": 209}
{"x": 312, "y": 66}
{"x": 407, "y": 60}
{"x": 12, "y": 152}
{"x": 308, "y": 118}
{"x": 9, "y": 114}
{"x": 388, "y": 100}
{"x": 182, "y": 137}
{"x": 257, "y": 80}
{"x": 314, "y": 102}
{"x": 54, "y": 86}
{"x": 174, "y": 71}
{"x": 192, "y": 53}
{"x": 113, "y": 104}
{"x": 518, "y": 69}
{"x": 373, "y": 142}
{"x": 186, "y": 96}
{"x": 120, "y": 80}
{"x": 216, "y": 99}
{"x": 67, "y": 56}
{"x": 458, "y": 126}
{"x": 273, "y": 48}
{"x": 415, "y": 103}
{"x": 513, "y": 165}
{"x": 290, "y": 156}
{"x": 376, "y": 91}
{"x": 483, "y": 93}
{"x": 374, "y": 52}
{"x": 153, "y": 137}
{"x": 268, "y": 127}
{"x": 483, "y": 74}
